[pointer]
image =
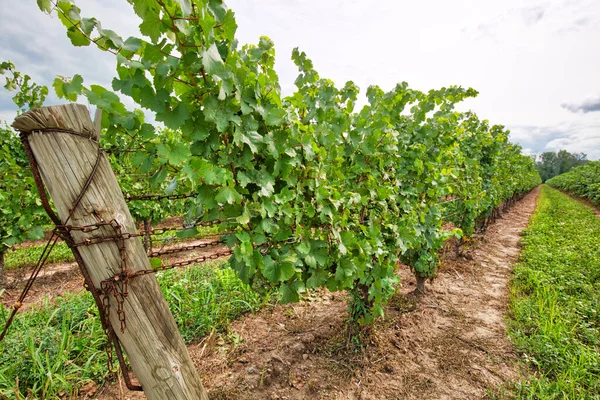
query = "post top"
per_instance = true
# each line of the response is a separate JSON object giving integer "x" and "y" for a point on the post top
{"x": 65, "y": 117}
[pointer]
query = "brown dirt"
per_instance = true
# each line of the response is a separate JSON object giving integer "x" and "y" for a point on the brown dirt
{"x": 52, "y": 282}
{"x": 453, "y": 345}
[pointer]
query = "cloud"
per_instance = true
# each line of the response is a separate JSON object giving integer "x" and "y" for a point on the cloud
{"x": 576, "y": 25}
{"x": 532, "y": 15}
{"x": 491, "y": 28}
{"x": 527, "y": 152}
{"x": 567, "y": 16}
{"x": 578, "y": 137}
{"x": 587, "y": 106}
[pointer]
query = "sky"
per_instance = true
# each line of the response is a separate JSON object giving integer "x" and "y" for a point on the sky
{"x": 535, "y": 63}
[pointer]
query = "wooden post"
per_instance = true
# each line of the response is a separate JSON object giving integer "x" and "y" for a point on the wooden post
{"x": 63, "y": 143}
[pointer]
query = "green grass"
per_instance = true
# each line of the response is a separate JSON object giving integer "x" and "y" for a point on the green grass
{"x": 22, "y": 257}
{"x": 555, "y": 301}
{"x": 58, "y": 347}
{"x": 207, "y": 298}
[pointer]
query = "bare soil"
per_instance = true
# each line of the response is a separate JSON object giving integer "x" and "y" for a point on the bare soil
{"x": 52, "y": 282}
{"x": 451, "y": 345}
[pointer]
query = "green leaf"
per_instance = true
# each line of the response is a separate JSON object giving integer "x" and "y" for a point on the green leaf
{"x": 68, "y": 89}
{"x": 229, "y": 26}
{"x": 277, "y": 272}
{"x": 87, "y": 25}
{"x": 147, "y": 131}
{"x": 207, "y": 23}
{"x": 303, "y": 248}
{"x": 77, "y": 37}
{"x": 132, "y": 44}
{"x": 174, "y": 118}
{"x": 219, "y": 9}
{"x": 244, "y": 270}
{"x": 171, "y": 187}
{"x": 155, "y": 262}
{"x": 228, "y": 195}
{"x": 112, "y": 36}
{"x": 212, "y": 61}
{"x": 151, "y": 25}
{"x": 178, "y": 153}
{"x": 35, "y": 233}
{"x": 215, "y": 111}
{"x": 274, "y": 116}
{"x": 317, "y": 279}
{"x": 58, "y": 87}
{"x": 288, "y": 294}
{"x": 45, "y": 5}
{"x": 158, "y": 177}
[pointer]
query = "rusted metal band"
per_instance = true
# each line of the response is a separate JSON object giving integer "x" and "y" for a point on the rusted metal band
{"x": 60, "y": 130}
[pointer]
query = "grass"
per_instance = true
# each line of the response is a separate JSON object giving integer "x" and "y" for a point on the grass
{"x": 57, "y": 347}
{"x": 555, "y": 301}
{"x": 22, "y": 257}
{"x": 207, "y": 298}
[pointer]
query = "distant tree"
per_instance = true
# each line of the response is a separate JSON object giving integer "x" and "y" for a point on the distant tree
{"x": 550, "y": 164}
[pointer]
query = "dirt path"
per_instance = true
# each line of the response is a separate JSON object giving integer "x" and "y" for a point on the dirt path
{"x": 452, "y": 346}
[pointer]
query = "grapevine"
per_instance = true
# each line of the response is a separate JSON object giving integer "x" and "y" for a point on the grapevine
{"x": 582, "y": 181}
{"x": 316, "y": 192}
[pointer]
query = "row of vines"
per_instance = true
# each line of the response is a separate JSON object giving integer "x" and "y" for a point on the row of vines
{"x": 584, "y": 181}
{"x": 314, "y": 190}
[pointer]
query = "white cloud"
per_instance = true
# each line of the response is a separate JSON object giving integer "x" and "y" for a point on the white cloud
{"x": 579, "y": 137}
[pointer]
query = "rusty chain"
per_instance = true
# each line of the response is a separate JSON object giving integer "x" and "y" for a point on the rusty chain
{"x": 182, "y": 249}
{"x": 157, "y": 197}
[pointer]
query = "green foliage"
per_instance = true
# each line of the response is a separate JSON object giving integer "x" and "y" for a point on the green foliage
{"x": 21, "y": 215}
{"x": 334, "y": 196}
{"x": 29, "y": 95}
{"x": 150, "y": 165}
{"x": 551, "y": 164}
{"x": 556, "y": 300}
{"x": 58, "y": 347}
{"x": 584, "y": 181}
{"x": 488, "y": 172}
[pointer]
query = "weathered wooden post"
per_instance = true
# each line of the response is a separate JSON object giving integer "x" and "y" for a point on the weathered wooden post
{"x": 63, "y": 143}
